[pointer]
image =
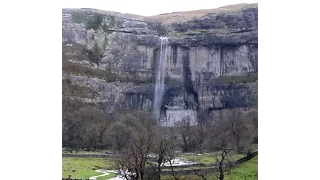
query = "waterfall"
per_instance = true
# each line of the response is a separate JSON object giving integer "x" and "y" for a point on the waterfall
{"x": 160, "y": 74}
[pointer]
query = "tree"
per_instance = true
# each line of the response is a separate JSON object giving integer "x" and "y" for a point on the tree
{"x": 160, "y": 150}
{"x": 252, "y": 118}
{"x": 223, "y": 164}
{"x": 203, "y": 127}
{"x": 163, "y": 151}
{"x": 166, "y": 152}
{"x": 119, "y": 136}
{"x": 133, "y": 159}
{"x": 95, "y": 124}
{"x": 85, "y": 128}
{"x": 223, "y": 167}
{"x": 188, "y": 135}
{"x": 123, "y": 162}
{"x": 243, "y": 128}
{"x": 170, "y": 155}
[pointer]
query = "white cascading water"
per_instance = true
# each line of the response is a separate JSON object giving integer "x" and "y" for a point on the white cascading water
{"x": 160, "y": 74}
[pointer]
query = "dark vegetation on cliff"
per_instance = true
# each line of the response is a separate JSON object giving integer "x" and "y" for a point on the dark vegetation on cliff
{"x": 95, "y": 20}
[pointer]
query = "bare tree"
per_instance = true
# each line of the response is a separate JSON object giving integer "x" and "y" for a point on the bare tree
{"x": 134, "y": 158}
{"x": 170, "y": 156}
{"x": 252, "y": 118}
{"x": 123, "y": 161}
{"x": 171, "y": 153}
{"x": 119, "y": 136}
{"x": 84, "y": 128}
{"x": 223, "y": 163}
{"x": 243, "y": 128}
{"x": 165, "y": 153}
{"x": 95, "y": 124}
{"x": 160, "y": 149}
{"x": 188, "y": 135}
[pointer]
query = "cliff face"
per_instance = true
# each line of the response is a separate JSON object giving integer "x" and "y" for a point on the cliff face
{"x": 211, "y": 62}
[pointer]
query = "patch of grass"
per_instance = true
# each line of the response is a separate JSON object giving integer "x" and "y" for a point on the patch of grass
{"x": 110, "y": 175}
{"x": 97, "y": 151}
{"x": 194, "y": 31}
{"x": 225, "y": 80}
{"x": 85, "y": 167}
{"x": 245, "y": 171}
{"x": 187, "y": 177}
{"x": 209, "y": 158}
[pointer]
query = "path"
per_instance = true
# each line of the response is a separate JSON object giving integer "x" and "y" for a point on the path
{"x": 106, "y": 172}
{"x": 177, "y": 162}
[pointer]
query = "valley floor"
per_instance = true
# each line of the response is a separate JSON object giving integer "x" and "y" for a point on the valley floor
{"x": 80, "y": 167}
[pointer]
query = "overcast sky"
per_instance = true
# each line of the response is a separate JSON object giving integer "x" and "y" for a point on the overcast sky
{"x": 151, "y": 7}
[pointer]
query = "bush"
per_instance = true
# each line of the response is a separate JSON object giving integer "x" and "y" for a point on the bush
{"x": 94, "y": 22}
{"x": 159, "y": 28}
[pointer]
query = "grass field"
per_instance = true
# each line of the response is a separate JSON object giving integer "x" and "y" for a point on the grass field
{"x": 85, "y": 167}
{"x": 246, "y": 171}
{"x": 209, "y": 158}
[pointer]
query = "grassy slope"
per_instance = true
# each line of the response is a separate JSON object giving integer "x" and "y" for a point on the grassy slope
{"x": 84, "y": 166}
{"x": 181, "y": 16}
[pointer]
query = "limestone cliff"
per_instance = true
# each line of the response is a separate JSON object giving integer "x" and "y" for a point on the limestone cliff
{"x": 211, "y": 63}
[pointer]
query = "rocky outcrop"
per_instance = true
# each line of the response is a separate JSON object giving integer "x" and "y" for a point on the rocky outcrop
{"x": 212, "y": 60}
